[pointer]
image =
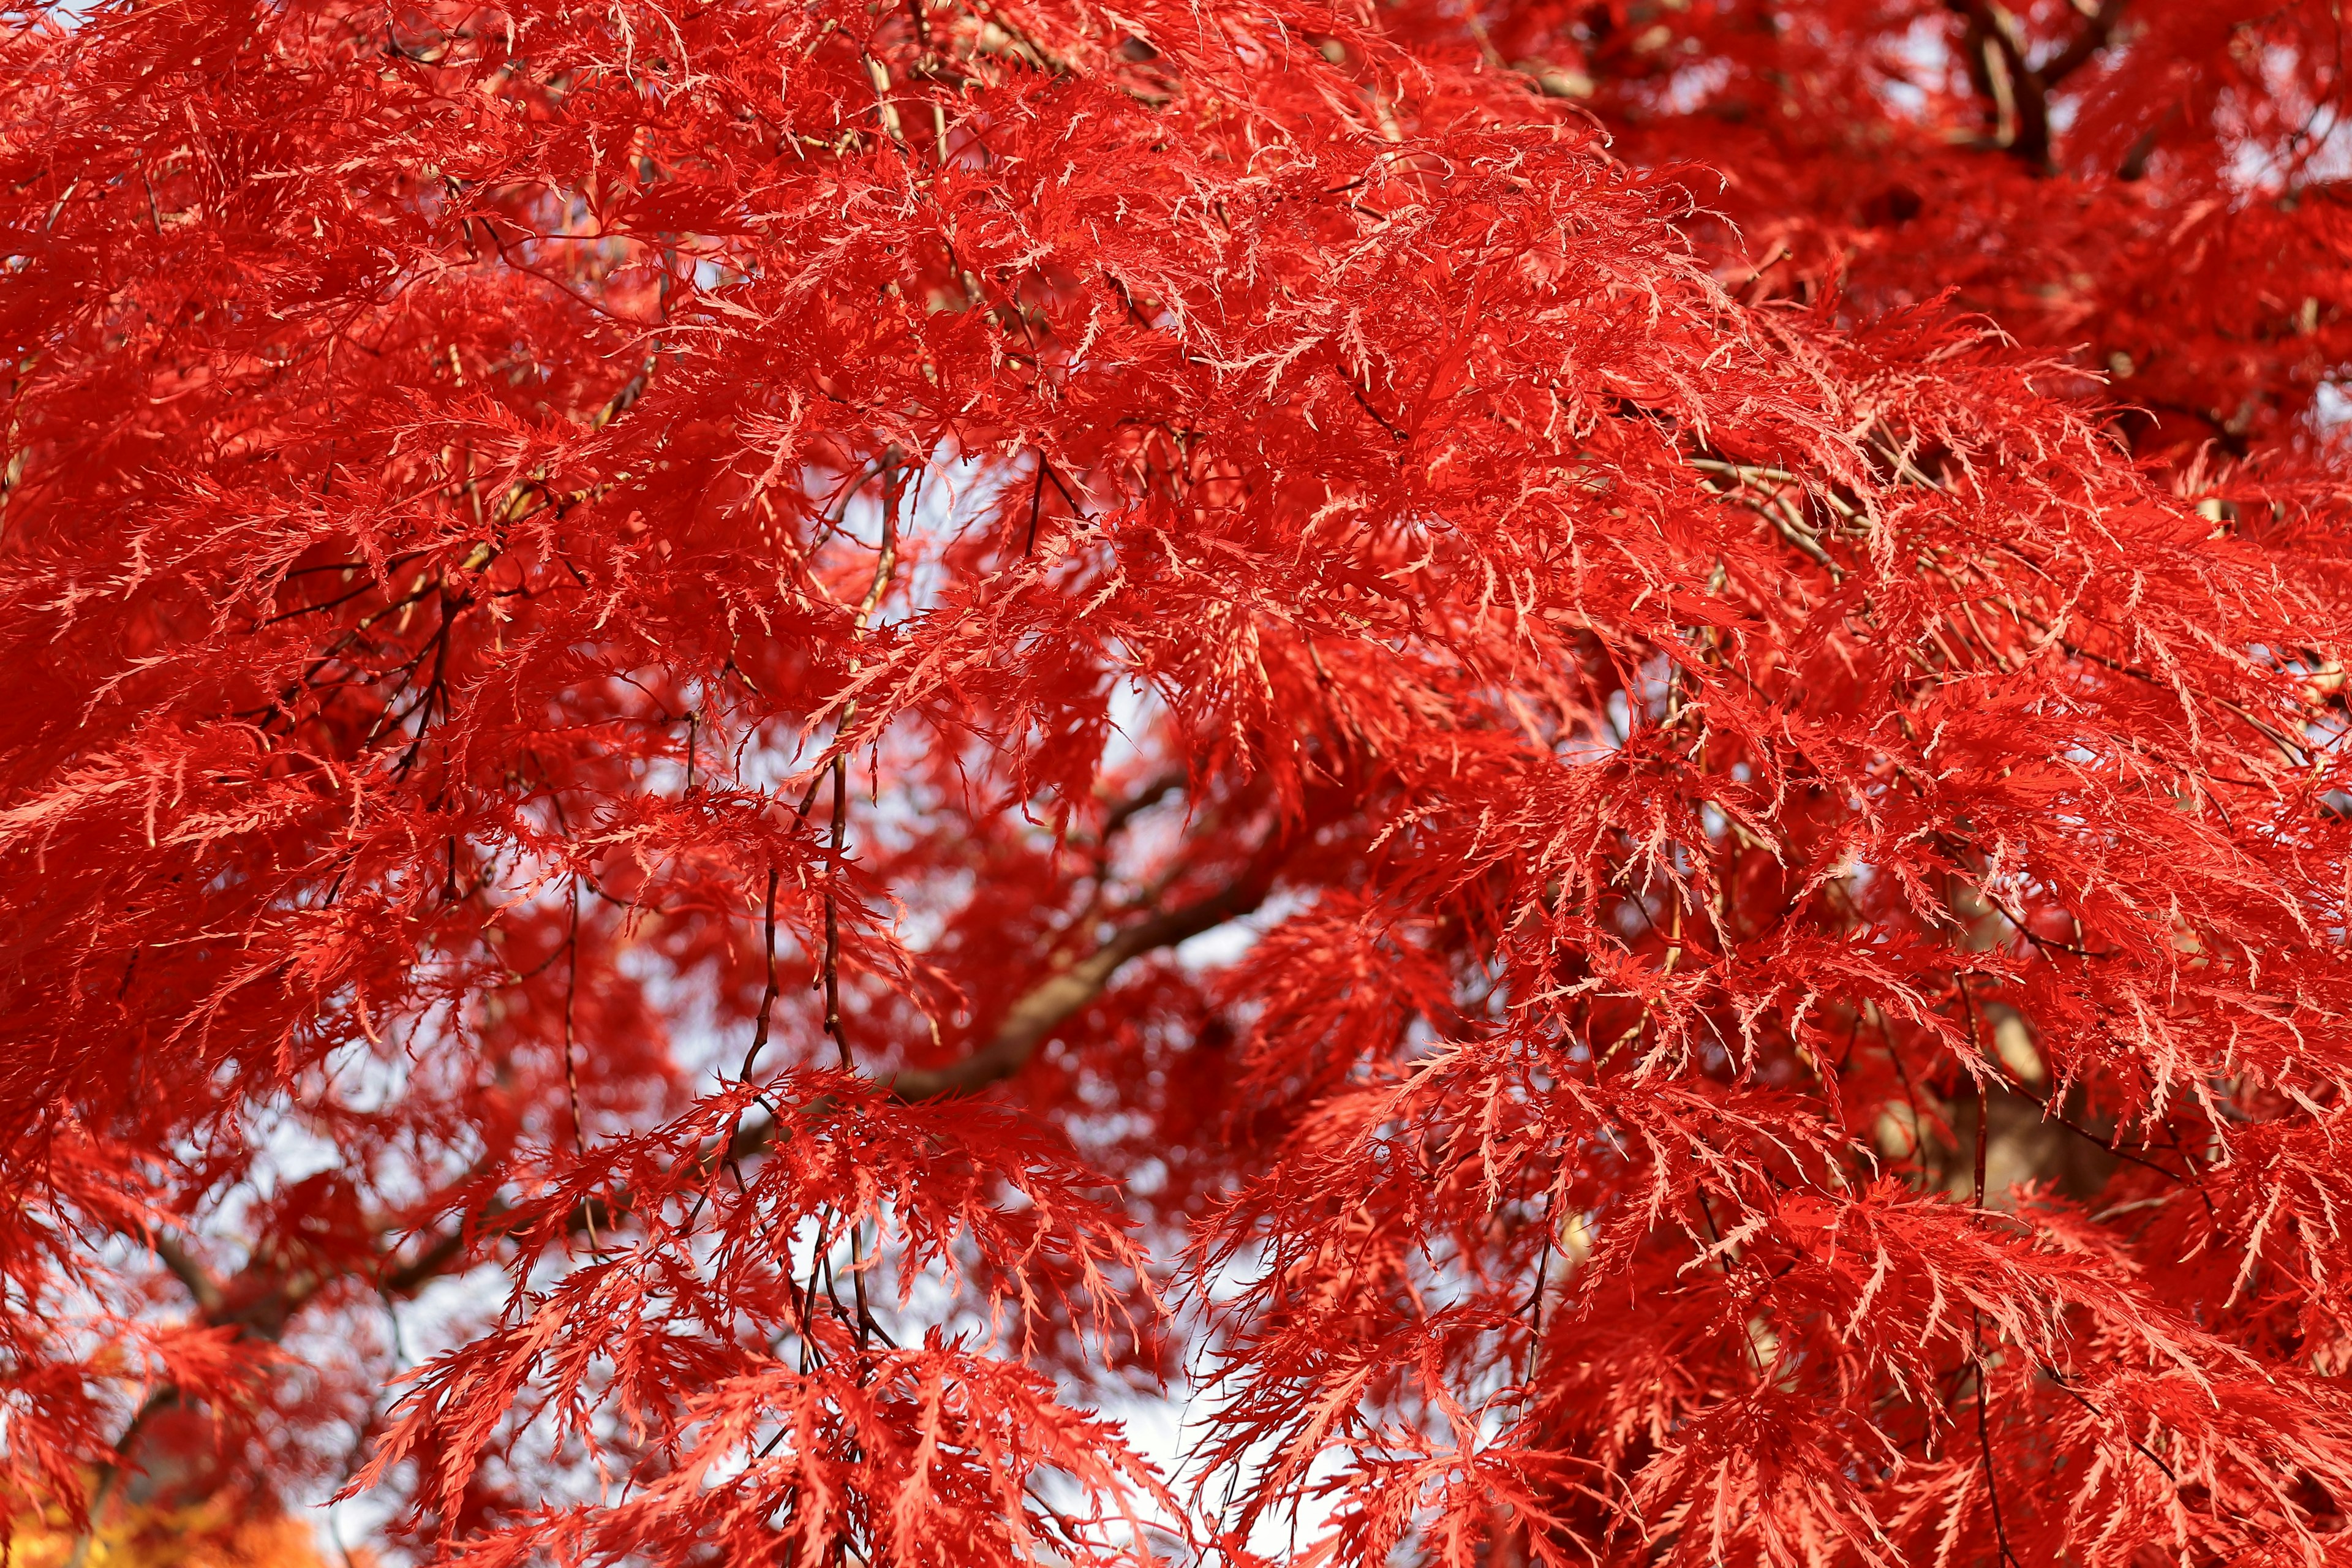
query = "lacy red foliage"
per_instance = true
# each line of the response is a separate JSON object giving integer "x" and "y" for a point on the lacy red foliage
{"x": 640, "y": 636}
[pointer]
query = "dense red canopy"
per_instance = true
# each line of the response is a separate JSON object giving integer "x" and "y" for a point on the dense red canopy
{"x": 1589, "y": 757}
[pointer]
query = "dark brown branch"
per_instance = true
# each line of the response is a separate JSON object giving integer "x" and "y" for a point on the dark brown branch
{"x": 427, "y": 1265}
{"x": 203, "y": 1287}
{"x": 1039, "y": 1011}
{"x": 1994, "y": 47}
{"x": 1153, "y": 792}
{"x": 2099, "y": 30}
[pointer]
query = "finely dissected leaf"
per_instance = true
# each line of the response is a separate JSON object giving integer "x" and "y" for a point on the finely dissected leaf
{"x": 1580, "y": 767}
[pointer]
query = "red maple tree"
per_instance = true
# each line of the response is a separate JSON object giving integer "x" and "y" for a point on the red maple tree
{"x": 637, "y": 634}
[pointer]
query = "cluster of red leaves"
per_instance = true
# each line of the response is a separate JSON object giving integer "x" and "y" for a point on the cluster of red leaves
{"x": 611, "y": 611}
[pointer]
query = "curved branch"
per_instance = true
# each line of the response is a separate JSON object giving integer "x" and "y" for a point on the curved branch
{"x": 2019, "y": 90}
{"x": 1035, "y": 1014}
{"x": 1038, "y": 1012}
{"x": 1152, "y": 793}
{"x": 1046, "y": 1005}
{"x": 2099, "y": 29}
{"x": 203, "y": 1287}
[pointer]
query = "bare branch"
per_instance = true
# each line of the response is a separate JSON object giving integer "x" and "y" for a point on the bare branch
{"x": 1995, "y": 48}
{"x": 1024, "y": 1027}
{"x": 1047, "y": 1003}
{"x": 2095, "y": 36}
{"x": 203, "y": 1287}
{"x": 1153, "y": 792}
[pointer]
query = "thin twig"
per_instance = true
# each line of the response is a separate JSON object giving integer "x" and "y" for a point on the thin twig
{"x": 1984, "y": 1098}
{"x": 571, "y": 1072}
{"x": 1984, "y": 1443}
{"x": 833, "y": 914}
{"x": 1535, "y": 1298}
{"x": 767, "y": 997}
{"x": 2059, "y": 1378}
